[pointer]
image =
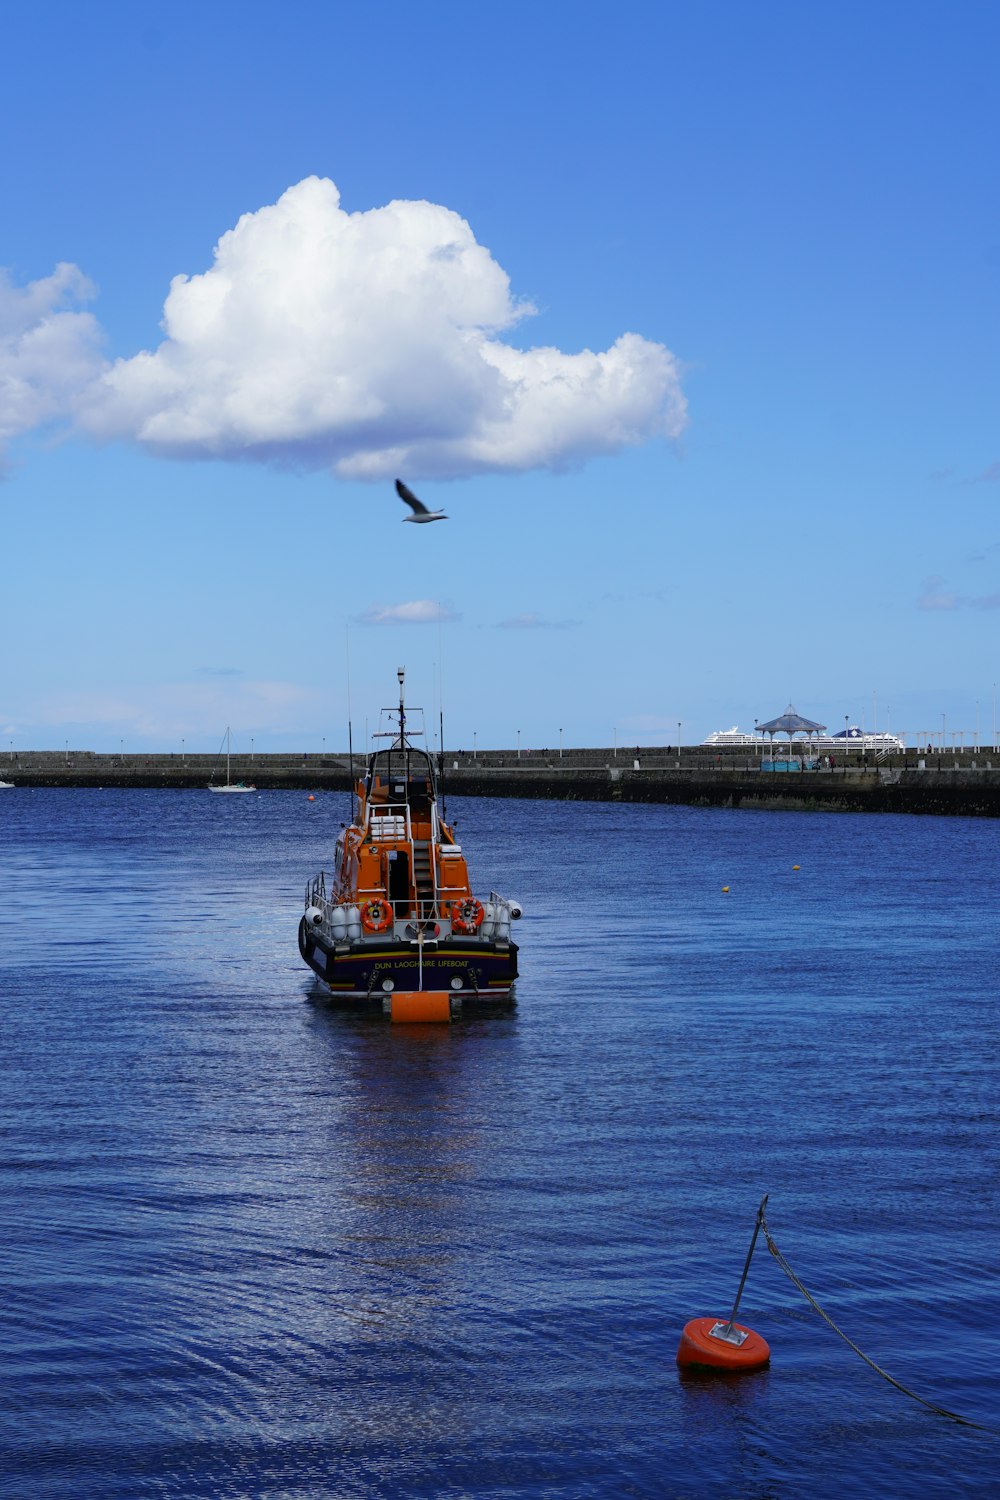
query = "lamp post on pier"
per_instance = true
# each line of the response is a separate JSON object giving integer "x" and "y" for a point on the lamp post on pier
{"x": 560, "y": 744}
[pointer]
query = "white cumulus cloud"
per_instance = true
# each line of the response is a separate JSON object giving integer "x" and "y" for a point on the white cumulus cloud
{"x": 49, "y": 349}
{"x": 369, "y": 342}
{"x": 415, "y": 612}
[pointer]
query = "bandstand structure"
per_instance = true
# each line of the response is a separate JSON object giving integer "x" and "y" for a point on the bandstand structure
{"x": 792, "y": 724}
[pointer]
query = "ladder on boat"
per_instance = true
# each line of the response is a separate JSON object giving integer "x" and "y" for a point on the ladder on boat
{"x": 423, "y": 876}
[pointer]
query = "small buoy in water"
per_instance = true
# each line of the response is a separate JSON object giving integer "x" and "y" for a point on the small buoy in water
{"x": 725, "y": 890}
{"x": 710, "y": 1344}
{"x": 310, "y": 798}
{"x": 796, "y": 867}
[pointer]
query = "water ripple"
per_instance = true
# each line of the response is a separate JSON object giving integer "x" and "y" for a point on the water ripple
{"x": 254, "y": 1246}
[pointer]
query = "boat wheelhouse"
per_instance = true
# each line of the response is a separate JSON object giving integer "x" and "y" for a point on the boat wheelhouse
{"x": 397, "y": 916}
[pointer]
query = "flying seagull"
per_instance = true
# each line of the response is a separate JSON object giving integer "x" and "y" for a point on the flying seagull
{"x": 420, "y": 511}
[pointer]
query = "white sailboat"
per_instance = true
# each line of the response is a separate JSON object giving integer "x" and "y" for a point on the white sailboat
{"x": 6, "y": 783}
{"x": 230, "y": 786}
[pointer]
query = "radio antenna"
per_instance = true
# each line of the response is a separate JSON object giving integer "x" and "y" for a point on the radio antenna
{"x": 350, "y": 736}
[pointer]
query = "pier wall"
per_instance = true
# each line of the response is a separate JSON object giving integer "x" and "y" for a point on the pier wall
{"x": 967, "y": 785}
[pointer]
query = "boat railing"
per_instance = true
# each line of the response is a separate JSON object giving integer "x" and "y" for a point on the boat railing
{"x": 405, "y": 910}
{"x": 316, "y": 896}
{"x": 417, "y": 911}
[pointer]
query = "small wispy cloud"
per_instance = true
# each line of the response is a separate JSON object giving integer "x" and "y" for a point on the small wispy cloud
{"x": 990, "y": 475}
{"x": 532, "y": 621}
{"x": 936, "y": 597}
{"x": 629, "y": 596}
{"x": 219, "y": 672}
{"x": 414, "y": 612}
{"x": 166, "y": 710}
{"x": 983, "y": 553}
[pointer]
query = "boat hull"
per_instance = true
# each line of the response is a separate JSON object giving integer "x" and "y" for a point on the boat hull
{"x": 359, "y": 974}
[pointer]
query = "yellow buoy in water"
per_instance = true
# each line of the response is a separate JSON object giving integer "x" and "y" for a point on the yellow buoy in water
{"x": 725, "y": 890}
{"x": 796, "y": 867}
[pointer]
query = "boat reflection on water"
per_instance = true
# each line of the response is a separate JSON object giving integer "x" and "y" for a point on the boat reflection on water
{"x": 401, "y": 1207}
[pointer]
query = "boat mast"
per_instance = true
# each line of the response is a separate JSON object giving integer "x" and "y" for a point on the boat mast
{"x": 401, "y": 674}
{"x": 350, "y": 761}
{"x": 441, "y": 759}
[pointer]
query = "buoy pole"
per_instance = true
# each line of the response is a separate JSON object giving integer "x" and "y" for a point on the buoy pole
{"x": 708, "y": 1345}
{"x": 746, "y": 1268}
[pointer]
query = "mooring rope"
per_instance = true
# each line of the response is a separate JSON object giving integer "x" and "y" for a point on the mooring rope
{"x": 942, "y": 1411}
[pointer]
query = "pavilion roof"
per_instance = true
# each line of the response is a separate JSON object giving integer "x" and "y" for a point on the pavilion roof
{"x": 790, "y": 722}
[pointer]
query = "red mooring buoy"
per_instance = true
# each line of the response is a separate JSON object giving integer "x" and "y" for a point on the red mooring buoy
{"x": 711, "y": 1344}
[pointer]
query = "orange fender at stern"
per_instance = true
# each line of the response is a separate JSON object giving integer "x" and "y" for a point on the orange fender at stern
{"x": 420, "y": 1005}
{"x": 699, "y": 1349}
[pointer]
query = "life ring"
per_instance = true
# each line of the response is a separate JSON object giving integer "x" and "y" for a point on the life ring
{"x": 376, "y": 915}
{"x": 466, "y": 915}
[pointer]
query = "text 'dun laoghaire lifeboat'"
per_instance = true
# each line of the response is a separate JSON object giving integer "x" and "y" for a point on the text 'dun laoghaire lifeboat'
{"x": 398, "y": 913}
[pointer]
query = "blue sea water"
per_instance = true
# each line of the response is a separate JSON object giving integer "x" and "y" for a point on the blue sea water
{"x": 255, "y": 1247}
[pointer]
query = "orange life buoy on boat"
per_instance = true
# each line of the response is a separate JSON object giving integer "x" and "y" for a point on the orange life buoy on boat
{"x": 376, "y": 915}
{"x": 466, "y": 915}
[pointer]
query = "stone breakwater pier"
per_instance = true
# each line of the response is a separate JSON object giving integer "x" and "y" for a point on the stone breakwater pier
{"x": 965, "y": 783}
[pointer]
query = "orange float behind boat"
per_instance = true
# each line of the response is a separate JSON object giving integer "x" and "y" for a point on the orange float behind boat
{"x": 420, "y": 1005}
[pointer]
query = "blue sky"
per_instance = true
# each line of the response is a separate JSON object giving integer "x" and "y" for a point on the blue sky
{"x": 783, "y": 486}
